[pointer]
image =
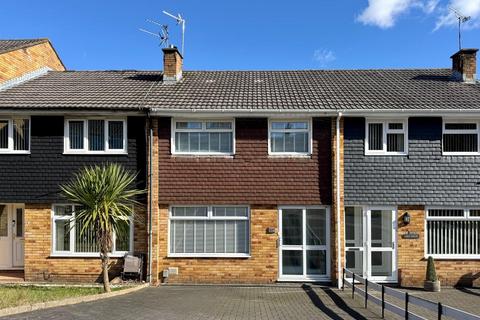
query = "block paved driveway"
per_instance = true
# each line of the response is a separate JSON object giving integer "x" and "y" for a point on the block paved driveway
{"x": 217, "y": 302}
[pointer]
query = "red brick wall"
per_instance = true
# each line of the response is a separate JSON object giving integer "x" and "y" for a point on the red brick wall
{"x": 251, "y": 176}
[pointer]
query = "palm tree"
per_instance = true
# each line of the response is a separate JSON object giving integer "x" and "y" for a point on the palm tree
{"x": 105, "y": 198}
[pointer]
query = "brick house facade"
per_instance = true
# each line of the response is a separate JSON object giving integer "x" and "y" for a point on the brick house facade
{"x": 253, "y": 177}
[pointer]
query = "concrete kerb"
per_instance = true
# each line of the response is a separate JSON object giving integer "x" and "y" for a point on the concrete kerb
{"x": 65, "y": 302}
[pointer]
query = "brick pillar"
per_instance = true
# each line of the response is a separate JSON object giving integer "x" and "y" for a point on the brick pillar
{"x": 153, "y": 197}
{"x": 334, "y": 227}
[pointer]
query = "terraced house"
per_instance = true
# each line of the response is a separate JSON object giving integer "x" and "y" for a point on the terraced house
{"x": 252, "y": 176}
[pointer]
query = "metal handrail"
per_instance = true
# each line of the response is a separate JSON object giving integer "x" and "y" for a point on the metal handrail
{"x": 440, "y": 308}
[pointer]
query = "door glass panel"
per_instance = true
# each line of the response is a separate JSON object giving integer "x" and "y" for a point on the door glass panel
{"x": 316, "y": 227}
{"x": 3, "y": 221}
{"x": 381, "y": 228}
{"x": 353, "y": 227}
{"x": 292, "y": 262}
{"x": 381, "y": 263}
{"x": 19, "y": 222}
{"x": 354, "y": 261}
{"x": 292, "y": 227}
{"x": 316, "y": 262}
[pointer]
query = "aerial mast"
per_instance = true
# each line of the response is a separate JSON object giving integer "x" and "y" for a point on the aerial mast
{"x": 461, "y": 19}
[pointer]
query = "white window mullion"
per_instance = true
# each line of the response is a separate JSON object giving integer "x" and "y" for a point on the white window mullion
{"x": 72, "y": 231}
{"x": 106, "y": 123}
{"x": 10, "y": 135}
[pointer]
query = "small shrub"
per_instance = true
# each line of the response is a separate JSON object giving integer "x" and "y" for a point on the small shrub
{"x": 431, "y": 273}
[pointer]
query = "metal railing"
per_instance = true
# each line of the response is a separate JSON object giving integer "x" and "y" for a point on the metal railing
{"x": 440, "y": 309}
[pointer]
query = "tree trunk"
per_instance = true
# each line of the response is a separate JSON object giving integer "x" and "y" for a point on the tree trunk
{"x": 106, "y": 280}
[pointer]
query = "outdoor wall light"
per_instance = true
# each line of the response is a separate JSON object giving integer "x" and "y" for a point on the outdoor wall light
{"x": 406, "y": 218}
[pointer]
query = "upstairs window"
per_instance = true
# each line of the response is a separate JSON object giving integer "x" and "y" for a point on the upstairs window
{"x": 96, "y": 136}
{"x": 203, "y": 137}
{"x": 460, "y": 138}
{"x": 289, "y": 137}
{"x": 386, "y": 137}
{"x": 15, "y": 135}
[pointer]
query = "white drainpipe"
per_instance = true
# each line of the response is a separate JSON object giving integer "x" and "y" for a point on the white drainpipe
{"x": 337, "y": 169}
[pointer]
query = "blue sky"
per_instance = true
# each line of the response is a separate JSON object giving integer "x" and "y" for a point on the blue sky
{"x": 248, "y": 34}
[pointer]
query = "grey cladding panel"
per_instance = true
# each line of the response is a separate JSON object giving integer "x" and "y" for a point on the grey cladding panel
{"x": 424, "y": 177}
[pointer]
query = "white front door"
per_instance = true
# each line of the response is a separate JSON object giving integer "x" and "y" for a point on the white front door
{"x": 5, "y": 237}
{"x": 18, "y": 224}
{"x": 370, "y": 242}
{"x": 12, "y": 248}
{"x": 304, "y": 238}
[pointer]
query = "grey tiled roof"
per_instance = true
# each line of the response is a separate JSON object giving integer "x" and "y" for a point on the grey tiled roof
{"x": 421, "y": 89}
{"x": 10, "y": 45}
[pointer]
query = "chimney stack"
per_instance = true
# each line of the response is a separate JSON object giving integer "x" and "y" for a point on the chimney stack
{"x": 464, "y": 65}
{"x": 172, "y": 65}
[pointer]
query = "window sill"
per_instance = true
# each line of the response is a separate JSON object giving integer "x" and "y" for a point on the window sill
{"x": 90, "y": 153}
{"x": 290, "y": 155}
{"x": 204, "y": 155}
{"x": 86, "y": 255}
{"x": 461, "y": 153}
{"x": 395, "y": 154}
{"x": 209, "y": 255}
{"x": 453, "y": 257}
{"x": 15, "y": 152}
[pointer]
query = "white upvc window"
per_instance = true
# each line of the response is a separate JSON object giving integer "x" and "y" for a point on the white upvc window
{"x": 460, "y": 137}
{"x": 95, "y": 136}
{"x": 15, "y": 135}
{"x": 203, "y": 137}
{"x": 67, "y": 239}
{"x": 386, "y": 137}
{"x": 209, "y": 231}
{"x": 452, "y": 233}
{"x": 290, "y": 137}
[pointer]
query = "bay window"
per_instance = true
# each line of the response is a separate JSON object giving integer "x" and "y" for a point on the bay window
{"x": 460, "y": 137}
{"x": 68, "y": 240}
{"x": 209, "y": 231}
{"x": 15, "y": 135}
{"x": 292, "y": 137}
{"x": 203, "y": 137}
{"x": 386, "y": 137}
{"x": 96, "y": 136}
{"x": 453, "y": 233}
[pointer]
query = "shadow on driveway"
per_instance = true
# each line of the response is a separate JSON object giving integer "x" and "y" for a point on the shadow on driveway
{"x": 335, "y": 298}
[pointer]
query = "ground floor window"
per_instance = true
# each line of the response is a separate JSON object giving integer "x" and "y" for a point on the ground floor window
{"x": 209, "y": 231}
{"x": 68, "y": 239}
{"x": 453, "y": 233}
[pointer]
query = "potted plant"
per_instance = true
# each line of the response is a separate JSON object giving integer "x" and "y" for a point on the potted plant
{"x": 431, "y": 282}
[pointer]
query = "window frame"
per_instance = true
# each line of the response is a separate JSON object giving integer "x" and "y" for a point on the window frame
{"x": 385, "y": 132}
{"x": 453, "y": 131}
{"x": 309, "y": 122}
{"x": 10, "y": 149}
{"x": 466, "y": 217}
{"x": 85, "y": 150}
{"x": 209, "y": 217}
{"x": 174, "y": 130}
{"x": 71, "y": 252}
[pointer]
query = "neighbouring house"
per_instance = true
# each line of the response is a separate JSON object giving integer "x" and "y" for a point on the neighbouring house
{"x": 252, "y": 176}
{"x": 27, "y": 58}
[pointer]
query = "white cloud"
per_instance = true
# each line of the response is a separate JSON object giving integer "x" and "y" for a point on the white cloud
{"x": 465, "y": 7}
{"x": 384, "y": 13}
{"x": 324, "y": 57}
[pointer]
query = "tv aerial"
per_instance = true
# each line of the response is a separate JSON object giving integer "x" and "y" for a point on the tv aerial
{"x": 180, "y": 21}
{"x": 162, "y": 34}
{"x": 461, "y": 19}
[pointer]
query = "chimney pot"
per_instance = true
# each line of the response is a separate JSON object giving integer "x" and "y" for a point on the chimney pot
{"x": 464, "y": 65}
{"x": 172, "y": 65}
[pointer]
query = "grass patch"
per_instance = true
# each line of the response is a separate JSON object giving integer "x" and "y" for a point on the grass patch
{"x": 14, "y": 296}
